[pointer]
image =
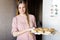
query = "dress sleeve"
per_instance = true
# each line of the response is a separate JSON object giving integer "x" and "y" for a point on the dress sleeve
{"x": 14, "y": 25}
{"x": 33, "y": 20}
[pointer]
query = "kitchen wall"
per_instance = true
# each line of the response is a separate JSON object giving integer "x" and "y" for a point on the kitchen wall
{"x": 7, "y": 12}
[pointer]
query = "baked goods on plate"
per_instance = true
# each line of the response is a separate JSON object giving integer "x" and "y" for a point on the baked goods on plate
{"x": 37, "y": 31}
{"x": 43, "y": 31}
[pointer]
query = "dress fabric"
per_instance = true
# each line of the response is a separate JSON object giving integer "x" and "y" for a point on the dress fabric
{"x": 19, "y": 23}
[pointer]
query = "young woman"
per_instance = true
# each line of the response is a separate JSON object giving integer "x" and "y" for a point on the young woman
{"x": 22, "y": 24}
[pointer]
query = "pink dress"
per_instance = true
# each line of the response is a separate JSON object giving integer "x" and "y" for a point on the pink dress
{"x": 19, "y": 23}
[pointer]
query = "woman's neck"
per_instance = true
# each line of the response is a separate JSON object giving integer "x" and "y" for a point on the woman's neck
{"x": 23, "y": 14}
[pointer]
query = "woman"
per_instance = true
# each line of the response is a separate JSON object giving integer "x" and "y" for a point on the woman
{"x": 22, "y": 24}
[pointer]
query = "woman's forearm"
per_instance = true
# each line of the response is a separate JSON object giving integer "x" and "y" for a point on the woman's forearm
{"x": 19, "y": 33}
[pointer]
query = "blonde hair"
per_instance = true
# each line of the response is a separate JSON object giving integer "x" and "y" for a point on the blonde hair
{"x": 25, "y": 2}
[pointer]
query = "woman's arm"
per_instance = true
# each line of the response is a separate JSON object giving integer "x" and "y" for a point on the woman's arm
{"x": 17, "y": 33}
{"x": 34, "y": 20}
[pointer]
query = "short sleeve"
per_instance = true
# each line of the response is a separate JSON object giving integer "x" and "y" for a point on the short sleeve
{"x": 14, "y": 25}
{"x": 33, "y": 20}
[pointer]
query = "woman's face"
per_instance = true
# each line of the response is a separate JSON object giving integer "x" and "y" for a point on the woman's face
{"x": 21, "y": 8}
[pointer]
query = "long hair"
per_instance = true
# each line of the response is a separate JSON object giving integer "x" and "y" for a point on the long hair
{"x": 26, "y": 6}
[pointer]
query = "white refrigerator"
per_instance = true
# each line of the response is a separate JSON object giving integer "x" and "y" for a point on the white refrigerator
{"x": 51, "y": 18}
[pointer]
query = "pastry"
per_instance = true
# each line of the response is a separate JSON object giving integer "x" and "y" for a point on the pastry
{"x": 40, "y": 30}
{"x": 46, "y": 29}
{"x": 52, "y": 30}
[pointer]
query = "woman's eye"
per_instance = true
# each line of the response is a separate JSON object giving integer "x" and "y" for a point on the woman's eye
{"x": 23, "y": 7}
{"x": 19, "y": 7}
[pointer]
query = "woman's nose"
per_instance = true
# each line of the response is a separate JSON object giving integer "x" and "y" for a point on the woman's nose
{"x": 21, "y": 8}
